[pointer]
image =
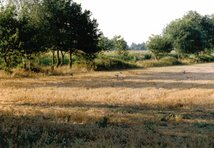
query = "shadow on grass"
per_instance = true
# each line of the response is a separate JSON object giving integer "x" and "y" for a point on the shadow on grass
{"x": 40, "y": 130}
{"x": 92, "y": 83}
{"x": 176, "y": 76}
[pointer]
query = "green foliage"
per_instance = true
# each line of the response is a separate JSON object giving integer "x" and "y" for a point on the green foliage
{"x": 107, "y": 63}
{"x": 206, "y": 58}
{"x": 117, "y": 43}
{"x": 147, "y": 56}
{"x": 8, "y": 34}
{"x": 169, "y": 61}
{"x": 202, "y": 58}
{"x": 33, "y": 27}
{"x": 141, "y": 46}
{"x": 120, "y": 45}
{"x": 105, "y": 43}
{"x": 103, "y": 122}
{"x": 201, "y": 125}
{"x": 192, "y": 33}
{"x": 159, "y": 45}
{"x": 164, "y": 61}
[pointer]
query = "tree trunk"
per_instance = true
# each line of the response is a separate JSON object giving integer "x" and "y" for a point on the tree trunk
{"x": 70, "y": 59}
{"x": 53, "y": 60}
{"x": 6, "y": 62}
{"x": 29, "y": 66}
{"x": 58, "y": 59}
{"x": 63, "y": 58}
{"x": 24, "y": 63}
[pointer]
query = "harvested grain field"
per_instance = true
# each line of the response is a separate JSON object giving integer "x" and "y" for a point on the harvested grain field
{"x": 163, "y": 107}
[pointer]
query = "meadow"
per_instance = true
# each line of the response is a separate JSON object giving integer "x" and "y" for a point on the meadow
{"x": 147, "y": 107}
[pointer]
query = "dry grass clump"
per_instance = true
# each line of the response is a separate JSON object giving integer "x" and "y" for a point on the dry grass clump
{"x": 163, "y": 107}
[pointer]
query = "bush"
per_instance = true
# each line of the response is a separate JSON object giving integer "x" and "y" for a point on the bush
{"x": 165, "y": 61}
{"x": 147, "y": 56}
{"x": 169, "y": 61}
{"x": 151, "y": 63}
{"x": 112, "y": 64}
{"x": 206, "y": 58}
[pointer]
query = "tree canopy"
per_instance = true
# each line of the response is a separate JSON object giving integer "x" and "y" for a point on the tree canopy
{"x": 191, "y": 34}
{"x": 159, "y": 45}
{"x": 40, "y": 26}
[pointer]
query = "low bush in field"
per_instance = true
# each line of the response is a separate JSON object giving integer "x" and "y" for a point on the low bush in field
{"x": 206, "y": 58}
{"x": 165, "y": 61}
{"x": 168, "y": 60}
{"x": 111, "y": 60}
{"x": 202, "y": 58}
{"x": 112, "y": 64}
{"x": 131, "y": 56}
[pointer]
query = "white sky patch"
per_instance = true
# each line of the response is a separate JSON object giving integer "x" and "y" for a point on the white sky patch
{"x": 136, "y": 20}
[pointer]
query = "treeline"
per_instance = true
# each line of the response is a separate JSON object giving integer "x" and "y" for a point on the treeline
{"x": 119, "y": 43}
{"x": 116, "y": 43}
{"x": 191, "y": 34}
{"x": 29, "y": 28}
{"x": 140, "y": 46}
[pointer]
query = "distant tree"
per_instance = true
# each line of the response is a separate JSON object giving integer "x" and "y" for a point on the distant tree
{"x": 120, "y": 45}
{"x": 141, "y": 46}
{"x": 105, "y": 43}
{"x": 159, "y": 45}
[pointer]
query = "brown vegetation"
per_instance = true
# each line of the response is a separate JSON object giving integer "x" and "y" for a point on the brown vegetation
{"x": 146, "y": 107}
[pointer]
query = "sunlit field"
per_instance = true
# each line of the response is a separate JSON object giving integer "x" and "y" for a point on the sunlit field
{"x": 158, "y": 107}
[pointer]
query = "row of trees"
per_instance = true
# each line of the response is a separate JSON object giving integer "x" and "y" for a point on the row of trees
{"x": 58, "y": 26}
{"x": 192, "y": 34}
{"x": 140, "y": 46}
{"x": 117, "y": 43}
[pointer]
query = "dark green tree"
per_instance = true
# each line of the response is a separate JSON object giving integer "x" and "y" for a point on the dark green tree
{"x": 29, "y": 34}
{"x": 67, "y": 28}
{"x": 83, "y": 33}
{"x": 8, "y": 34}
{"x": 159, "y": 45}
{"x": 188, "y": 33}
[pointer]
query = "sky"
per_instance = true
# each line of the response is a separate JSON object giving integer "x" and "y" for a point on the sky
{"x": 136, "y": 20}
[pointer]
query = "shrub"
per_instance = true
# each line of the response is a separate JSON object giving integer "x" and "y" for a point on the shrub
{"x": 103, "y": 122}
{"x": 206, "y": 58}
{"x": 147, "y": 56}
{"x": 169, "y": 61}
{"x": 112, "y": 64}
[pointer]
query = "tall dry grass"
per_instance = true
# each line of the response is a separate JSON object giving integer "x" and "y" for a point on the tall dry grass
{"x": 163, "y": 107}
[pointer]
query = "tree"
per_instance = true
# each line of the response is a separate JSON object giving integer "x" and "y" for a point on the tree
{"x": 88, "y": 36}
{"x": 141, "y": 46}
{"x": 67, "y": 28}
{"x": 207, "y": 24}
{"x": 120, "y": 45}
{"x": 159, "y": 45}
{"x": 105, "y": 43}
{"x": 31, "y": 27}
{"x": 187, "y": 33}
{"x": 53, "y": 26}
{"x": 29, "y": 34}
{"x": 8, "y": 34}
